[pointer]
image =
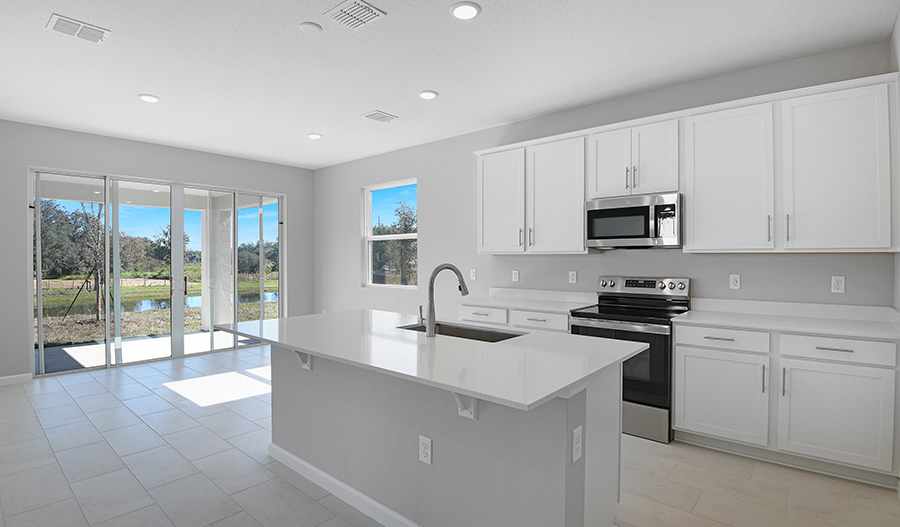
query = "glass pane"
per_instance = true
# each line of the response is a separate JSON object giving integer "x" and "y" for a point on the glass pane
{"x": 208, "y": 217}
{"x": 394, "y": 210}
{"x": 141, "y": 282}
{"x": 395, "y": 262}
{"x": 249, "y": 307}
{"x": 270, "y": 245}
{"x": 73, "y": 314}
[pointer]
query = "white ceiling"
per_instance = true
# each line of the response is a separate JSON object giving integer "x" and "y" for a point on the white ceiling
{"x": 238, "y": 77}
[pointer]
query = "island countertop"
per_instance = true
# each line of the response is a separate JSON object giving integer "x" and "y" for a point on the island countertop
{"x": 523, "y": 372}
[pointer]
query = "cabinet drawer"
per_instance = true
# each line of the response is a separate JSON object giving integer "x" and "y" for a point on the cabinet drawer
{"x": 536, "y": 319}
{"x": 847, "y": 350}
{"x": 735, "y": 339}
{"x": 482, "y": 314}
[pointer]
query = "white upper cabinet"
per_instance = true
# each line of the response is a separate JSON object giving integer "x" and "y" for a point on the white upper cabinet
{"x": 729, "y": 164}
{"x": 555, "y": 196}
{"x": 837, "y": 170}
{"x": 501, "y": 202}
{"x": 638, "y": 160}
{"x": 531, "y": 199}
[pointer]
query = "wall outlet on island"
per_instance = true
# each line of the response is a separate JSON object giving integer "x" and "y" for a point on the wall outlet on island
{"x": 515, "y": 275}
{"x": 425, "y": 450}
{"x": 734, "y": 281}
{"x": 838, "y": 284}
{"x": 576, "y": 444}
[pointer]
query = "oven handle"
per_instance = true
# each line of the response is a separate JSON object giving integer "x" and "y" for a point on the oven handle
{"x": 658, "y": 329}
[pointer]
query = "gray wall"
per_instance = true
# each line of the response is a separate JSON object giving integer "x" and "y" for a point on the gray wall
{"x": 446, "y": 172}
{"x": 22, "y": 146}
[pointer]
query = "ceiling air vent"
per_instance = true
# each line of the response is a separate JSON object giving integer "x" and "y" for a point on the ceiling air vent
{"x": 355, "y": 14}
{"x": 380, "y": 116}
{"x": 74, "y": 28}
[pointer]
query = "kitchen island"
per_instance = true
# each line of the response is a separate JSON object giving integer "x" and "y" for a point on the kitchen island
{"x": 352, "y": 393}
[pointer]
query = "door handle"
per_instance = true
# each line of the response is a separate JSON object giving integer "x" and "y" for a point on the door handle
{"x": 185, "y": 285}
{"x": 788, "y": 227}
{"x": 769, "y": 227}
{"x": 764, "y": 379}
{"x": 171, "y": 287}
{"x": 826, "y": 348}
{"x": 536, "y": 319}
{"x": 521, "y": 231}
{"x": 627, "y": 169}
{"x": 783, "y": 377}
{"x": 724, "y": 339}
{"x": 634, "y": 181}
{"x": 531, "y": 236}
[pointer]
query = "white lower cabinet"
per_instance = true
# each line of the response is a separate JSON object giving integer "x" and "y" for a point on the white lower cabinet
{"x": 722, "y": 394}
{"x": 837, "y": 412}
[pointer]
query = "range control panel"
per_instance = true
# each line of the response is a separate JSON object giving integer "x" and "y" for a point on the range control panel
{"x": 679, "y": 287}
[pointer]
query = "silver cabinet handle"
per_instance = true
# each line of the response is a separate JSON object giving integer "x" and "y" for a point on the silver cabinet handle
{"x": 481, "y": 314}
{"x": 521, "y": 231}
{"x": 531, "y": 236}
{"x": 764, "y": 379}
{"x": 537, "y": 319}
{"x": 826, "y": 348}
{"x": 783, "y": 377}
{"x": 627, "y": 169}
{"x": 724, "y": 339}
{"x": 769, "y": 227}
{"x": 634, "y": 181}
{"x": 788, "y": 227}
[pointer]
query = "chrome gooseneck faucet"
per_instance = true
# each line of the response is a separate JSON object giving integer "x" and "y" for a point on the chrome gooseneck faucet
{"x": 429, "y": 317}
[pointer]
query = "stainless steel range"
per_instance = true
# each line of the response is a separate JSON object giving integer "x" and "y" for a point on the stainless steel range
{"x": 639, "y": 309}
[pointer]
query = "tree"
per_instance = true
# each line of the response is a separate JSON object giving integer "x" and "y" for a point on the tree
{"x": 401, "y": 255}
{"x": 162, "y": 245}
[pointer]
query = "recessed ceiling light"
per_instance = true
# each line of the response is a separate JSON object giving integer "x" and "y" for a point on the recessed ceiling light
{"x": 315, "y": 136}
{"x": 127, "y": 202}
{"x": 157, "y": 191}
{"x": 310, "y": 27}
{"x": 428, "y": 94}
{"x": 96, "y": 192}
{"x": 146, "y": 97}
{"x": 465, "y": 10}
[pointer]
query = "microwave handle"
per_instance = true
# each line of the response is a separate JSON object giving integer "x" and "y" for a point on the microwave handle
{"x": 652, "y": 221}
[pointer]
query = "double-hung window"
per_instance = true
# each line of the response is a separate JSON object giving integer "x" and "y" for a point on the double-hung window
{"x": 390, "y": 234}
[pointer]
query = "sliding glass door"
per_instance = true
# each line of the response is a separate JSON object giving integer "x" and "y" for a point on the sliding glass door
{"x": 179, "y": 260}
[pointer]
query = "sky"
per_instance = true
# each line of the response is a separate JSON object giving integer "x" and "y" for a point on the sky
{"x": 149, "y": 222}
{"x": 384, "y": 201}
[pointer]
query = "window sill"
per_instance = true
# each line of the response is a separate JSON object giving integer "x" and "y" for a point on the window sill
{"x": 392, "y": 286}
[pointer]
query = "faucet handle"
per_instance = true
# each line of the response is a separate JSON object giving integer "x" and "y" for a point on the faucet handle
{"x": 421, "y": 316}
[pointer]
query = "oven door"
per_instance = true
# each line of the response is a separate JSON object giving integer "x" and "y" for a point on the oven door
{"x": 646, "y": 376}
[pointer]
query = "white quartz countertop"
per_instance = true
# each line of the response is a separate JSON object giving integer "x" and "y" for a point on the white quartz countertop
{"x": 522, "y": 372}
{"x": 526, "y": 304}
{"x": 864, "y": 329}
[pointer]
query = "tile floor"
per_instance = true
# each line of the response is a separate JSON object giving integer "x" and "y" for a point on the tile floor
{"x": 678, "y": 485}
{"x": 118, "y": 448}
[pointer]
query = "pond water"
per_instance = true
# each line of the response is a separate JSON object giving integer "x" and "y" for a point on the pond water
{"x": 89, "y": 308}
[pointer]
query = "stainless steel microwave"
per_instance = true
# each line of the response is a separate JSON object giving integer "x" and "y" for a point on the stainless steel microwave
{"x": 632, "y": 222}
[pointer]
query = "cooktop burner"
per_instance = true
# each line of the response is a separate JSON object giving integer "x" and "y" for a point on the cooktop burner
{"x": 639, "y": 299}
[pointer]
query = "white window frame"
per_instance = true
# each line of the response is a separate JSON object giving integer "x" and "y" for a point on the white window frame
{"x": 367, "y": 236}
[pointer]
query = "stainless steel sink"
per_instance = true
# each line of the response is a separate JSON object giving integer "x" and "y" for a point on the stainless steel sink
{"x": 465, "y": 332}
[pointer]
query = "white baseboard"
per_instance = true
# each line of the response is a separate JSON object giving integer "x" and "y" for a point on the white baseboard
{"x": 16, "y": 379}
{"x": 373, "y": 509}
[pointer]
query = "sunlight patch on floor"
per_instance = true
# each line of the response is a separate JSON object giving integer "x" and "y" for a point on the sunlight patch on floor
{"x": 264, "y": 372}
{"x": 218, "y": 389}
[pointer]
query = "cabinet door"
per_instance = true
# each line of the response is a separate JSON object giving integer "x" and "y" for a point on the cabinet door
{"x": 555, "y": 190}
{"x": 722, "y": 394}
{"x": 729, "y": 180}
{"x": 654, "y": 158}
{"x": 837, "y": 412}
{"x": 609, "y": 164}
{"x": 501, "y": 202}
{"x": 837, "y": 166}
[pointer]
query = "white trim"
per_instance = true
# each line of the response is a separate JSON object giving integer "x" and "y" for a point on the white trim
{"x": 759, "y": 99}
{"x": 16, "y": 379}
{"x": 371, "y": 508}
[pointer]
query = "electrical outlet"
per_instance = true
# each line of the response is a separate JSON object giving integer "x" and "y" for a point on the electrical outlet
{"x": 573, "y": 277}
{"x": 471, "y": 274}
{"x": 576, "y": 444}
{"x": 425, "y": 452}
{"x": 515, "y": 275}
{"x": 838, "y": 284}
{"x": 734, "y": 281}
